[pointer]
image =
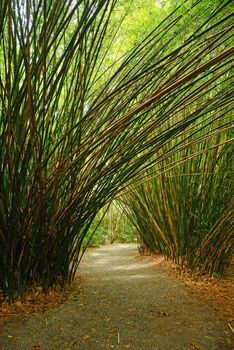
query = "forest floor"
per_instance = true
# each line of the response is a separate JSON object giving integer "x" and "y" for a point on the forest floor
{"x": 124, "y": 301}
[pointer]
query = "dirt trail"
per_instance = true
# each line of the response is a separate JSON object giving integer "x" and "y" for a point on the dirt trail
{"x": 125, "y": 302}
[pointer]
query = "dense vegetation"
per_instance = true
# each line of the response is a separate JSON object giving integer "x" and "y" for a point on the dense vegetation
{"x": 187, "y": 213}
{"x": 80, "y": 123}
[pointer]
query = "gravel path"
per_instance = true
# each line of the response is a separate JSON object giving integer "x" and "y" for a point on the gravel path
{"x": 125, "y": 302}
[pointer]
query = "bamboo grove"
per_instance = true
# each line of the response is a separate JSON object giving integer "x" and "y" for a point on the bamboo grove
{"x": 187, "y": 213}
{"x": 76, "y": 131}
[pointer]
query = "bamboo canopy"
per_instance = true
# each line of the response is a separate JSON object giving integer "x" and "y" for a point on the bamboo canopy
{"x": 75, "y": 131}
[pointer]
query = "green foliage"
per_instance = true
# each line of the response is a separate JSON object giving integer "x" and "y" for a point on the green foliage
{"x": 138, "y": 21}
{"x": 75, "y": 128}
{"x": 110, "y": 226}
{"x": 186, "y": 213}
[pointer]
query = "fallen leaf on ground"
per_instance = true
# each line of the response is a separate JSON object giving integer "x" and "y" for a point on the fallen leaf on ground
{"x": 230, "y": 326}
{"x": 162, "y": 314}
{"x": 195, "y": 345}
{"x": 131, "y": 309}
{"x": 18, "y": 303}
{"x": 29, "y": 298}
{"x": 208, "y": 337}
{"x": 86, "y": 337}
{"x": 36, "y": 300}
{"x": 168, "y": 333}
{"x": 71, "y": 342}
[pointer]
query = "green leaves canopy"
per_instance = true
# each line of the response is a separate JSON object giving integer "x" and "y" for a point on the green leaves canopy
{"x": 74, "y": 132}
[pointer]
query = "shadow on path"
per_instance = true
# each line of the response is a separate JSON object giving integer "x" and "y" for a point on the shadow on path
{"x": 125, "y": 302}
